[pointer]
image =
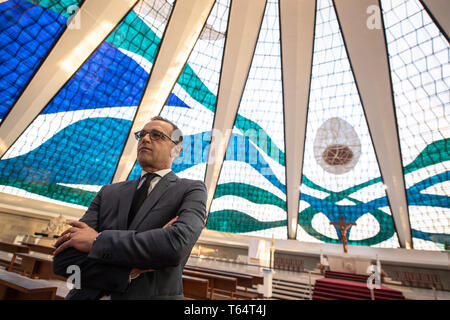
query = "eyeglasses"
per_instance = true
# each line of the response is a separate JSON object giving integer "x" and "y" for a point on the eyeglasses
{"x": 155, "y": 135}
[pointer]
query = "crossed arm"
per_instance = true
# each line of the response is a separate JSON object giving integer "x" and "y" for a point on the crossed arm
{"x": 117, "y": 254}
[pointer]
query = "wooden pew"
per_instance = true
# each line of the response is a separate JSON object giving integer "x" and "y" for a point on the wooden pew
{"x": 35, "y": 265}
{"x": 255, "y": 279}
{"x": 39, "y": 248}
{"x": 38, "y": 265}
{"x": 16, "y": 287}
{"x": 245, "y": 281}
{"x": 195, "y": 288}
{"x": 14, "y": 249}
{"x": 222, "y": 284}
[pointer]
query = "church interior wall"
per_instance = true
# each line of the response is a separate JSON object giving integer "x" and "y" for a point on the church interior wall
{"x": 415, "y": 268}
{"x": 13, "y": 224}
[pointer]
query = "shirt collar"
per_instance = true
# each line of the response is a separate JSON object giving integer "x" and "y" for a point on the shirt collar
{"x": 160, "y": 173}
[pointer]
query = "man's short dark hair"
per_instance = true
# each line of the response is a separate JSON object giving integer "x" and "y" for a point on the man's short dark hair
{"x": 176, "y": 135}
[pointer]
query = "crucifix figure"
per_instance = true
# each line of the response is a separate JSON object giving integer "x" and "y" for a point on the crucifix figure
{"x": 343, "y": 226}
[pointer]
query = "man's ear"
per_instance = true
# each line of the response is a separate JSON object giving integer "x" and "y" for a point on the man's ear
{"x": 176, "y": 150}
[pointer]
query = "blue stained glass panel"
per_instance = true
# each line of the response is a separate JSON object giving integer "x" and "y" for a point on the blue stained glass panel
{"x": 27, "y": 32}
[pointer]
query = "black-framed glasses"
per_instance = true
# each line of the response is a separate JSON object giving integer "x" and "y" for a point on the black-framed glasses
{"x": 155, "y": 135}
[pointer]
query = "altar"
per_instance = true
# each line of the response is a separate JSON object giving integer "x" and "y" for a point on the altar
{"x": 349, "y": 264}
{"x": 48, "y": 235}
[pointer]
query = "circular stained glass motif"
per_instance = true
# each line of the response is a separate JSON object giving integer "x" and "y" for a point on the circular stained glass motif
{"x": 337, "y": 147}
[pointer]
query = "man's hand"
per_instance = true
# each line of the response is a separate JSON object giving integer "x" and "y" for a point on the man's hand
{"x": 80, "y": 237}
{"x": 168, "y": 224}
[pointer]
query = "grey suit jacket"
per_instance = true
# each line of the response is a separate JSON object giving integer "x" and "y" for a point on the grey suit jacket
{"x": 145, "y": 245}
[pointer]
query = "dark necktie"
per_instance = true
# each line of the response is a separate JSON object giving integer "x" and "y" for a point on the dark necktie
{"x": 140, "y": 195}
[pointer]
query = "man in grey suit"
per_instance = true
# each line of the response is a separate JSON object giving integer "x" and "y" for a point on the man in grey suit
{"x": 136, "y": 236}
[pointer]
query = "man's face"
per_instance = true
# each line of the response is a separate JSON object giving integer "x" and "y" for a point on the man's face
{"x": 156, "y": 154}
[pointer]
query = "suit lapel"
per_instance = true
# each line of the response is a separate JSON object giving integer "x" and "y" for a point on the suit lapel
{"x": 153, "y": 198}
{"x": 125, "y": 200}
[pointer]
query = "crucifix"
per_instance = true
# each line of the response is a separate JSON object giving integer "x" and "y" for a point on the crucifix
{"x": 343, "y": 226}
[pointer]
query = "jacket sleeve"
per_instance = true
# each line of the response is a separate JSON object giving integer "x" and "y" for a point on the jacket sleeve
{"x": 93, "y": 274}
{"x": 156, "y": 248}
